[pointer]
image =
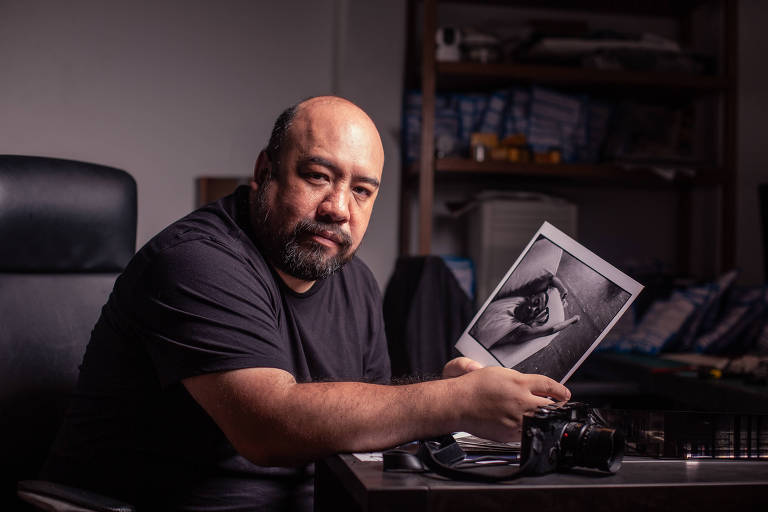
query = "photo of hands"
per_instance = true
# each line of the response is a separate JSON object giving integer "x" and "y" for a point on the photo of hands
{"x": 550, "y": 310}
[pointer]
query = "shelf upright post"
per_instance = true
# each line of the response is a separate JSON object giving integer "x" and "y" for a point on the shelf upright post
{"x": 409, "y": 83}
{"x": 730, "y": 70}
{"x": 427, "y": 156}
{"x": 684, "y": 203}
{"x": 684, "y": 208}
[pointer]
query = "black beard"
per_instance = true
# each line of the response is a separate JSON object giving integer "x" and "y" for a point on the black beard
{"x": 293, "y": 251}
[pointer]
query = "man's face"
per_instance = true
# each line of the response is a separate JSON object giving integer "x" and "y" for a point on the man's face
{"x": 312, "y": 215}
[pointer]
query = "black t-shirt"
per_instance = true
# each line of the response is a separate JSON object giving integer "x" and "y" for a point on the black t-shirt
{"x": 199, "y": 298}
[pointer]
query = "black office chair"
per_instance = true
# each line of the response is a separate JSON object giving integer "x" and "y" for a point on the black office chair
{"x": 67, "y": 229}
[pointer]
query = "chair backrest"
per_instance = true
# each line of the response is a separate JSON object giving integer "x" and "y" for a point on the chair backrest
{"x": 67, "y": 229}
{"x": 425, "y": 312}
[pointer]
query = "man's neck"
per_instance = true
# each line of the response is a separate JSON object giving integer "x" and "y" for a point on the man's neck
{"x": 294, "y": 283}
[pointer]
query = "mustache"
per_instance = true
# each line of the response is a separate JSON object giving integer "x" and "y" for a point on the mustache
{"x": 333, "y": 231}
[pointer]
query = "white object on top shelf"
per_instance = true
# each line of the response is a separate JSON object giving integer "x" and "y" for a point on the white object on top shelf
{"x": 578, "y": 46}
{"x": 448, "y": 40}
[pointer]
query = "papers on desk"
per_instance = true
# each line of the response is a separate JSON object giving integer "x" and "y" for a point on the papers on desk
{"x": 369, "y": 457}
{"x": 467, "y": 442}
{"x": 474, "y": 444}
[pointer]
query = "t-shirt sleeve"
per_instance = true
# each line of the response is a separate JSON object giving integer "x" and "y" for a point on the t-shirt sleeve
{"x": 202, "y": 308}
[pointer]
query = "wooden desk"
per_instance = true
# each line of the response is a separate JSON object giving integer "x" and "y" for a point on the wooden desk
{"x": 345, "y": 483}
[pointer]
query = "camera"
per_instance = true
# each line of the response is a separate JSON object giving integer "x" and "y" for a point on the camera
{"x": 560, "y": 436}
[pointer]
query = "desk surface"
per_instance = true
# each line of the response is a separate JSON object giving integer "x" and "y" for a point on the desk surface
{"x": 345, "y": 483}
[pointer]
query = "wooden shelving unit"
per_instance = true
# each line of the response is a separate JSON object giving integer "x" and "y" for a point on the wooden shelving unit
{"x": 453, "y": 71}
{"x": 436, "y": 76}
{"x": 606, "y": 172}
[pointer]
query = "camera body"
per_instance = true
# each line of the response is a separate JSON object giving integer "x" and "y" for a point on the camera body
{"x": 560, "y": 436}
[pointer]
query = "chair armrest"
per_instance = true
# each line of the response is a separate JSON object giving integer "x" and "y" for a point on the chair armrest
{"x": 53, "y": 497}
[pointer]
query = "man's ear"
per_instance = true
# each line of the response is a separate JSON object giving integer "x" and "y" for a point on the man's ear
{"x": 262, "y": 171}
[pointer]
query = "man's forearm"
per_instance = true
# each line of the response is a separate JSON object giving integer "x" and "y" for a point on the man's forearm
{"x": 272, "y": 420}
{"x": 294, "y": 423}
{"x": 355, "y": 417}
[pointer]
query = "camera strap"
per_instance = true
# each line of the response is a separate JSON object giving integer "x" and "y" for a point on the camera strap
{"x": 444, "y": 456}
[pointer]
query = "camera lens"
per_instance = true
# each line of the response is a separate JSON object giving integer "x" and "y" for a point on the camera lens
{"x": 592, "y": 446}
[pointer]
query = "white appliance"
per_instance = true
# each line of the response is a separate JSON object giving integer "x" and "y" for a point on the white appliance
{"x": 501, "y": 225}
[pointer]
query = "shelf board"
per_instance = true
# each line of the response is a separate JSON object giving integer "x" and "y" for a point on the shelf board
{"x": 663, "y": 8}
{"x": 579, "y": 172}
{"x": 449, "y": 71}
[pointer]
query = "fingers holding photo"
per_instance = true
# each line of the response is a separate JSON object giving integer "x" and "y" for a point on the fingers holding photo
{"x": 545, "y": 387}
{"x": 460, "y": 366}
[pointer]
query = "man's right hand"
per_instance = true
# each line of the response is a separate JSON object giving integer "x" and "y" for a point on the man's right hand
{"x": 495, "y": 400}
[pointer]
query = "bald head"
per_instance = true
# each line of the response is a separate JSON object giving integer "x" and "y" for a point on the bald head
{"x": 318, "y": 107}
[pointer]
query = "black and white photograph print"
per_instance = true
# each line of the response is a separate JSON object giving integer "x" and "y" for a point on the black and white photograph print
{"x": 550, "y": 310}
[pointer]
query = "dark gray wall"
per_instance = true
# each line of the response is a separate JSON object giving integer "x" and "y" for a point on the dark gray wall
{"x": 177, "y": 89}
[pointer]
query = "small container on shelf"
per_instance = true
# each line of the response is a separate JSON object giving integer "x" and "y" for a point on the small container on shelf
{"x": 500, "y": 153}
{"x": 551, "y": 156}
{"x": 516, "y": 148}
{"x": 519, "y": 154}
{"x": 482, "y": 145}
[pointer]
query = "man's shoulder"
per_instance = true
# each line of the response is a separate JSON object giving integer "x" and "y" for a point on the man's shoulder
{"x": 213, "y": 226}
{"x": 199, "y": 259}
{"x": 215, "y": 221}
{"x": 208, "y": 241}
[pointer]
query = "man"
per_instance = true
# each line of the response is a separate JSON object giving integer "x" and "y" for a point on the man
{"x": 246, "y": 341}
